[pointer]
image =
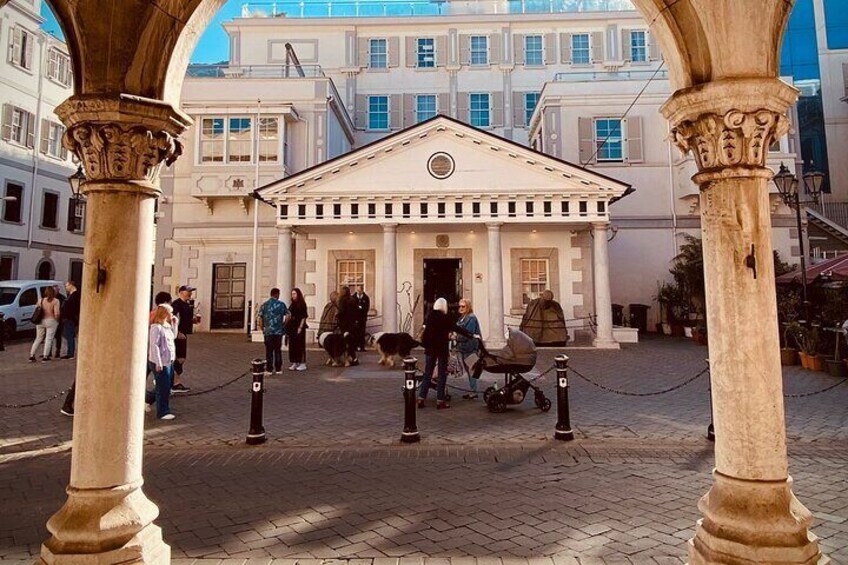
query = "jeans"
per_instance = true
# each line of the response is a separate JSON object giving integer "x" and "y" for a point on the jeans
{"x": 274, "y": 353}
{"x": 70, "y": 333}
{"x": 429, "y": 367}
{"x": 164, "y": 379}
{"x": 44, "y": 332}
{"x": 472, "y": 382}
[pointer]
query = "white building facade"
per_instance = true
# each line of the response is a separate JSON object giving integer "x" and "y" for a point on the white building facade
{"x": 554, "y": 82}
{"x": 41, "y": 226}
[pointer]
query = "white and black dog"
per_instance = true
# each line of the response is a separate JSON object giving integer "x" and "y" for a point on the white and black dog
{"x": 393, "y": 345}
{"x": 336, "y": 346}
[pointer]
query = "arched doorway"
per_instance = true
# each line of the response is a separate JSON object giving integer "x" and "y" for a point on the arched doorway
{"x": 722, "y": 56}
{"x": 45, "y": 270}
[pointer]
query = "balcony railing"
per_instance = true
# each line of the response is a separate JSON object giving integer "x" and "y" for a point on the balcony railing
{"x": 400, "y": 8}
{"x": 836, "y": 212}
{"x": 590, "y": 76}
{"x": 255, "y": 71}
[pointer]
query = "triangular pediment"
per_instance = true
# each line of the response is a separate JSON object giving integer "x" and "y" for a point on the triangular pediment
{"x": 471, "y": 161}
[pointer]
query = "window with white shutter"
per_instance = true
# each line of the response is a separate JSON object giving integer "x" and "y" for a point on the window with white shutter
{"x": 21, "y": 43}
{"x": 58, "y": 67}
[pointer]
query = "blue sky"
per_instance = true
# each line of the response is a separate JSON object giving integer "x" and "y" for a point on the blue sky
{"x": 213, "y": 45}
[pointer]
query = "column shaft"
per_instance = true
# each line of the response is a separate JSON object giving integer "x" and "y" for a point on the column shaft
{"x": 603, "y": 301}
{"x": 390, "y": 278}
{"x": 285, "y": 260}
{"x": 496, "y": 288}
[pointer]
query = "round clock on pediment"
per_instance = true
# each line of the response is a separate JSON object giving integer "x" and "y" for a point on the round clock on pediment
{"x": 440, "y": 165}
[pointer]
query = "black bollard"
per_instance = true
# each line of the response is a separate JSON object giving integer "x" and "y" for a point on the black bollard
{"x": 563, "y": 425}
{"x": 711, "y": 427}
{"x": 256, "y": 435}
{"x": 410, "y": 428}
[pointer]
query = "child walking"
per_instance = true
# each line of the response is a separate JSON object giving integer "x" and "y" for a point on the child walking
{"x": 161, "y": 354}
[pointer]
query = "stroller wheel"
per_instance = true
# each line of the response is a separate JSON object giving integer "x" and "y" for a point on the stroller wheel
{"x": 544, "y": 404}
{"x": 496, "y": 403}
{"x": 488, "y": 394}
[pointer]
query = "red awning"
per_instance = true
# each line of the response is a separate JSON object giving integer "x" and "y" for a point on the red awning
{"x": 834, "y": 269}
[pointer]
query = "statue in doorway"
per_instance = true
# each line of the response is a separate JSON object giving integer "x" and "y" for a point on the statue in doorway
{"x": 544, "y": 321}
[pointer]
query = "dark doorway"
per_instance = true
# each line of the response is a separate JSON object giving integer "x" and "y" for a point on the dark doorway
{"x": 229, "y": 282}
{"x": 442, "y": 279}
{"x": 45, "y": 270}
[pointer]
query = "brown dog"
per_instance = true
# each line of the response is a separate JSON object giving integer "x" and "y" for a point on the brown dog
{"x": 394, "y": 345}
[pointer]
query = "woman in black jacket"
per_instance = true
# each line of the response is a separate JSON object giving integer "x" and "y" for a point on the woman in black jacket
{"x": 296, "y": 331}
{"x": 436, "y": 340}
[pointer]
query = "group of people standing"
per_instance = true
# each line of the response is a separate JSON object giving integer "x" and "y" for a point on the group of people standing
{"x": 279, "y": 321}
{"x": 58, "y": 318}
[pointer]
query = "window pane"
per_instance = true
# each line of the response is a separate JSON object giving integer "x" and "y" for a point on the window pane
{"x": 425, "y": 107}
{"x": 533, "y": 50}
{"x": 426, "y": 53}
{"x": 240, "y": 140}
{"x": 608, "y": 139}
{"x": 479, "y": 106}
{"x": 49, "y": 210}
{"x": 12, "y": 206}
{"x": 269, "y": 140}
{"x": 378, "y": 54}
{"x": 638, "y": 46}
{"x": 534, "y": 278}
{"x": 530, "y": 101}
{"x": 580, "y": 49}
{"x": 378, "y": 112}
{"x": 212, "y": 140}
{"x": 351, "y": 273}
{"x": 479, "y": 50}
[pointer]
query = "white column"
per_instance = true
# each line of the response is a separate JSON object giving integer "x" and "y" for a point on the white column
{"x": 603, "y": 302}
{"x": 285, "y": 261}
{"x": 390, "y": 278}
{"x": 496, "y": 289}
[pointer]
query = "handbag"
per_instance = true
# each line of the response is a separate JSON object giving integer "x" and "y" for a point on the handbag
{"x": 37, "y": 314}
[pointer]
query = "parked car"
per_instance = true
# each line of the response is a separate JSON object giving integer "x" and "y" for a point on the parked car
{"x": 18, "y": 300}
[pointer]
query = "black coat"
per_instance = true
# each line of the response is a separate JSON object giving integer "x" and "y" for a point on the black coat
{"x": 348, "y": 315}
{"x": 437, "y": 329}
{"x": 363, "y": 304}
{"x": 71, "y": 308}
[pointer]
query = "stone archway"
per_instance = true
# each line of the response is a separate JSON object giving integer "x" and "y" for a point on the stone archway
{"x": 123, "y": 122}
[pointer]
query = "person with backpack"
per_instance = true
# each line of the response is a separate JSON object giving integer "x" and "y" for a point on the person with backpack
{"x": 46, "y": 319}
{"x": 271, "y": 320}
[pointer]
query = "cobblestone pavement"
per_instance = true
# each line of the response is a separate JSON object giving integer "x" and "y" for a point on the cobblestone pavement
{"x": 333, "y": 482}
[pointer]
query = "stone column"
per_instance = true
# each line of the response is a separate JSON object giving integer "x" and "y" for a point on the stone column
{"x": 121, "y": 143}
{"x": 390, "y": 278}
{"x": 285, "y": 261}
{"x": 750, "y": 513}
{"x": 603, "y": 302}
{"x": 496, "y": 289}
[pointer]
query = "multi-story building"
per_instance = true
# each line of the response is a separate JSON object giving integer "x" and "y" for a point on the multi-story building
{"x": 530, "y": 90}
{"x": 41, "y": 226}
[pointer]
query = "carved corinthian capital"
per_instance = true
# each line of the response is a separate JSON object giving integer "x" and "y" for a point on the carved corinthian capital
{"x": 733, "y": 139}
{"x": 730, "y": 124}
{"x": 122, "y": 139}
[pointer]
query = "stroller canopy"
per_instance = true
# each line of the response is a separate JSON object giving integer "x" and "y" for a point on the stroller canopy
{"x": 519, "y": 350}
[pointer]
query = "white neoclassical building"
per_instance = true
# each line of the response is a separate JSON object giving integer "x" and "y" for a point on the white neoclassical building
{"x": 445, "y": 209}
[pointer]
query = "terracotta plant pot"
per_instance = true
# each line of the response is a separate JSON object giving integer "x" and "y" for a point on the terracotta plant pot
{"x": 677, "y": 330}
{"x": 836, "y": 368}
{"x": 788, "y": 356}
{"x": 804, "y": 360}
{"x": 816, "y": 362}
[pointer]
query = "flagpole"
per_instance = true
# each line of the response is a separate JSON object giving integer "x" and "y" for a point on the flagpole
{"x": 251, "y": 323}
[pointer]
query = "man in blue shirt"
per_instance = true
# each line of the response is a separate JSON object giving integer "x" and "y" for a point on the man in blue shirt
{"x": 271, "y": 318}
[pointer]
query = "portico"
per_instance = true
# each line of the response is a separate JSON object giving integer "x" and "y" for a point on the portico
{"x": 445, "y": 191}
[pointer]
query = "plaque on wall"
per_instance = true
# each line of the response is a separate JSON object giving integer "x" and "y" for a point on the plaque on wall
{"x": 440, "y": 165}
{"x": 443, "y": 240}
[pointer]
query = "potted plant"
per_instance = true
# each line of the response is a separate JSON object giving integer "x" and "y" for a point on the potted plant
{"x": 788, "y": 303}
{"x": 809, "y": 341}
{"x": 699, "y": 333}
{"x": 789, "y": 354}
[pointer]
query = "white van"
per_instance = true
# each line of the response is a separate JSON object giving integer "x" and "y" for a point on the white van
{"x": 18, "y": 300}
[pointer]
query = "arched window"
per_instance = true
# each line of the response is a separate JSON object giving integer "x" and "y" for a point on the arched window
{"x": 45, "y": 270}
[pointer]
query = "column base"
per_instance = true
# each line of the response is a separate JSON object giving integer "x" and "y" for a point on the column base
{"x": 751, "y": 522}
{"x": 105, "y": 526}
{"x": 599, "y": 343}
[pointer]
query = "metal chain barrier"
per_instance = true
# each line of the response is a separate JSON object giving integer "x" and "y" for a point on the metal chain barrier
{"x": 218, "y": 387}
{"x": 814, "y": 393}
{"x": 39, "y": 403}
{"x": 628, "y": 393}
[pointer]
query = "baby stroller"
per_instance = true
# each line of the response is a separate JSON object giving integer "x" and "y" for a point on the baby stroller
{"x": 518, "y": 357}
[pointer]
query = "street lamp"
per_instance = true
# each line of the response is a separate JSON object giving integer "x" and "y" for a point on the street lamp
{"x": 76, "y": 180}
{"x": 787, "y": 185}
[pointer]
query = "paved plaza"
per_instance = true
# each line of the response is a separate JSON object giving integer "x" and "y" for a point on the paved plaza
{"x": 333, "y": 482}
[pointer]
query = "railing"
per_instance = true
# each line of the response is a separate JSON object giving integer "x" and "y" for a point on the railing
{"x": 591, "y": 76}
{"x": 254, "y": 71}
{"x": 836, "y": 212}
{"x": 399, "y": 8}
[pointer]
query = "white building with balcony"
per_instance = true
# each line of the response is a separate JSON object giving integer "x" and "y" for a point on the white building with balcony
{"x": 41, "y": 226}
{"x": 524, "y": 105}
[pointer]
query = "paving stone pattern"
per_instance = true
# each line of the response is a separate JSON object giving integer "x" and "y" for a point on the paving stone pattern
{"x": 333, "y": 483}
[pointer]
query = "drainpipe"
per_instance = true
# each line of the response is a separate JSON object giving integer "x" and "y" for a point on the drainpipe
{"x": 36, "y": 161}
{"x": 252, "y": 320}
{"x": 671, "y": 195}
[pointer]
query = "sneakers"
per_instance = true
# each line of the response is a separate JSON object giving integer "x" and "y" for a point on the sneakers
{"x": 179, "y": 388}
{"x": 301, "y": 367}
{"x": 66, "y": 357}
{"x": 32, "y": 359}
{"x": 293, "y": 367}
{"x": 45, "y": 359}
{"x": 167, "y": 417}
{"x": 67, "y": 411}
{"x": 280, "y": 372}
